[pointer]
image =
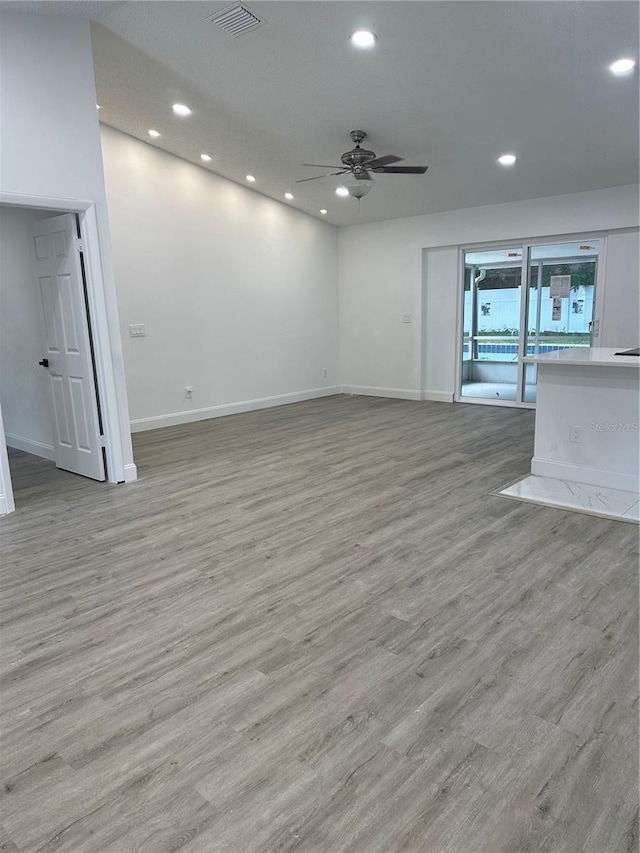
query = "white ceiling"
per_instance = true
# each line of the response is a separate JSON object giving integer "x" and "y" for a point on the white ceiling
{"x": 450, "y": 84}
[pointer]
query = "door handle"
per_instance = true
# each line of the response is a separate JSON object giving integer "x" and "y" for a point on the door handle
{"x": 44, "y": 362}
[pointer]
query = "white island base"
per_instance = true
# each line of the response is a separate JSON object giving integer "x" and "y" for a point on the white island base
{"x": 587, "y": 443}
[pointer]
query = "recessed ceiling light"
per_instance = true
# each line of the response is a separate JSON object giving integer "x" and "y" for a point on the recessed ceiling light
{"x": 181, "y": 110}
{"x": 205, "y": 157}
{"x": 507, "y": 159}
{"x": 342, "y": 191}
{"x": 622, "y": 66}
{"x": 154, "y": 133}
{"x": 363, "y": 38}
{"x": 288, "y": 196}
{"x": 323, "y": 211}
{"x": 250, "y": 178}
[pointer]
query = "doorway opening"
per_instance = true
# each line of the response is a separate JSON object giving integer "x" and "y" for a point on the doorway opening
{"x": 48, "y": 381}
{"x": 58, "y": 331}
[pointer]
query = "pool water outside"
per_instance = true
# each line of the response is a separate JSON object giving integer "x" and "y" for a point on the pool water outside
{"x": 494, "y": 352}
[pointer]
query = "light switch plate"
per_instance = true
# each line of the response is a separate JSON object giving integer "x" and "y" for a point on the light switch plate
{"x": 137, "y": 330}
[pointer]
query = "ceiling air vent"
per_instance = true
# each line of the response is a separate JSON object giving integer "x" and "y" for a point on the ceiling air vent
{"x": 236, "y": 20}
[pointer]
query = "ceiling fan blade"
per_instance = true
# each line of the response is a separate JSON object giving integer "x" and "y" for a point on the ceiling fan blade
{"x": 383, "y": 161}
{"x": 322, "y": 166}
{"x": 316, "y": 177}
{"x": 403, "y": 170}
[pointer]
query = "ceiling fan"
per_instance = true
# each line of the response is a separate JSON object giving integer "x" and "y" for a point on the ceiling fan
{"x": 360, "y": 163}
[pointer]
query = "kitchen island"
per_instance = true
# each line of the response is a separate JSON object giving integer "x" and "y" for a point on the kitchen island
{"x": 587, "y": 441}
{"x": 587, "y": 417}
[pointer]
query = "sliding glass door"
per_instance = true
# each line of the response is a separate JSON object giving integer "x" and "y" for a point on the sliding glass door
{"x": 503, "y": 321}
{"x": 561, "y": 283}
{"x": 492, "y": 298}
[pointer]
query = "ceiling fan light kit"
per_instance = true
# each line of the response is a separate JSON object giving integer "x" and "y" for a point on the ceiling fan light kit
{"x": 360, "y": 162}
{"x": 359, "y": 187}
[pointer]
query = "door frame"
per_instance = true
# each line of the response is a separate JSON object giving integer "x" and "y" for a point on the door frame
{"x": 114, "y": 409}
{"x": 526, "y": 244}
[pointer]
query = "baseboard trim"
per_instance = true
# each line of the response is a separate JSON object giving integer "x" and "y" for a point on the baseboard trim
{"x": 589, "y": 476}
{"x": 130, "y": 473}
{"x": 177, "y": 418}
{"x": 375, "y": 391}
{"x": 36, "y": 448}
{"x": 437, "y": 396}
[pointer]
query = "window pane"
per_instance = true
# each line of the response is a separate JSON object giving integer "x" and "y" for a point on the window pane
{"x": 560, "y": 299}
{"x": 492, "y": 292}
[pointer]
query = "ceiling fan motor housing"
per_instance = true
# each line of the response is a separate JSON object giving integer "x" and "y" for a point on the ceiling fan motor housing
{"x": 357, "y": 158}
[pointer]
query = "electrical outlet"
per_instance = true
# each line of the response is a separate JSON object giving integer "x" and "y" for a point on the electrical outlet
{"x": 406, "y": 318}
{"x": 188, "y": 392}
{"x": 137, "y": 330}
{"x": 576, "y": 435}
{"x": 324, "y": 372}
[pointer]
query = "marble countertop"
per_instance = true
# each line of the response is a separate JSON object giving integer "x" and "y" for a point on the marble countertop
{"x": 586, "y": 356}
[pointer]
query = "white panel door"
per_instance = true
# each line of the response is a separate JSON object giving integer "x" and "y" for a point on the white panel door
{"x": 67, "y": 356}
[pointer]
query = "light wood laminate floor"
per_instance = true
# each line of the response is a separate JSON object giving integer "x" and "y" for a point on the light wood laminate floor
{"x": 313, "y": 629}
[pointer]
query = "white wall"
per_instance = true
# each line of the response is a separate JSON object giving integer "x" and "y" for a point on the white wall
{"x": 50, "y": 139}
{"x": 621, "y": 305}
{"x": 24, "y": 385}
{"x": 440, "y": 275}
{"x": 381, "y": 278}
{"x": 238, "y": 293}
{"x": 51, "y": 147}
